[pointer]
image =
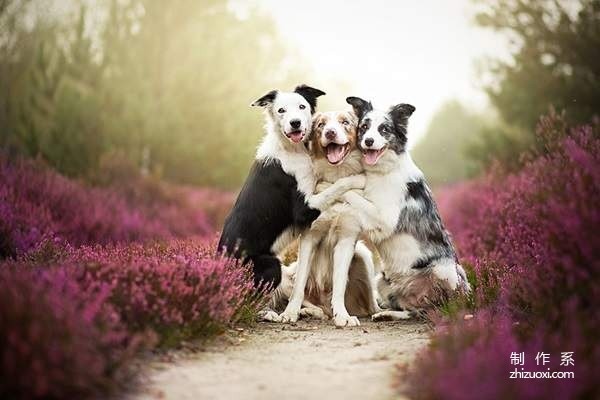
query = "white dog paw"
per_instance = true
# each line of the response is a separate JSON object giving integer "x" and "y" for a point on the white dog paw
{"x": 268, "y": 316}
{"x": 341, "y": 320}
{"x": 287, "y": 317}
{"x": 390, "y": 316}
{"x": 356, "y": 181}
{"x": 321, "y": 186}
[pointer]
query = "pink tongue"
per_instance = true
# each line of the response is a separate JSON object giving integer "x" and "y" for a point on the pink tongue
{"x": 371, "y": 156}
{"x": 335, "y": 153}
{"x": 296, "y": 136}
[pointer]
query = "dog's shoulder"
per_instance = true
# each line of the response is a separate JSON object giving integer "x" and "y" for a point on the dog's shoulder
{"x": 268, "y": 175}
{"x": 295, "y": 163}
{"x": 263, "y": 209}
{"x": 390, "y": 184}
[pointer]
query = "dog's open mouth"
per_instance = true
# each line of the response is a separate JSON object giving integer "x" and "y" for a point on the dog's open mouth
{"x": 295, "y": 136}
{"x": 372, "y": 156}
{"x": 336, "y": 152}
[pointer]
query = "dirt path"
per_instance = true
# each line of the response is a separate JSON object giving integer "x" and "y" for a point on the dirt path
{"x": 311, "y": 360}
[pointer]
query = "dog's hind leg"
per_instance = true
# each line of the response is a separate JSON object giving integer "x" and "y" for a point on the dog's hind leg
{"x": 312, "y": 311}
{"x": 279, "y": 297}
{"x": 366, "y": 255}
{"x": 305, "y": 252}
{"x": 390, "y": 315}
{"x": 267, "y": 271}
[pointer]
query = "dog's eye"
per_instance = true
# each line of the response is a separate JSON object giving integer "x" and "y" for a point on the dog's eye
{"x": 345, "y": 122}
{"x": 281, "y": 111}
{"x": 321, "y": 124}
{"x": 302, "y": 106}
{"x": 363, "y": 128}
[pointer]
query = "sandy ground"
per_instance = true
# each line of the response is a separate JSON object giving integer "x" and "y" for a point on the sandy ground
{"x": 309, "y": 360}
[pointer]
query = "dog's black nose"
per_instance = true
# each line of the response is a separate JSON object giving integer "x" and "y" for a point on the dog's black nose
{"x": 295, "y": 123}
{"x": 369, "y": 142}
{"x": 330, "y": 134}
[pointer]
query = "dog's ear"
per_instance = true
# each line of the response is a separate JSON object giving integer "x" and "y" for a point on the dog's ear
{"x": 310, "y": 94}
{"x": 360, "y": 106}
{"x": 265, "y": 100}
{"x": 316, "y": 119}
{"x": 400, "y": 114}
{"x": 313, "y": 139}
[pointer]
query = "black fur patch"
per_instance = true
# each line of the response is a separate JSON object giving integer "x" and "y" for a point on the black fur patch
{"x": 401, "y": 112}
{"x": 424, "y": 223}
{"x": 424, "y": 262}
{"x": 267, "y": 99}
{"x": 268, "y": 203}
{"x": 418, "y": 191}
{"x": 310, "y": 94}
{"x": 360, "y": 106}
{"x": 399, "y": 115}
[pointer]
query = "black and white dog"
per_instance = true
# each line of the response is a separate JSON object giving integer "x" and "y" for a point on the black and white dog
{"x": 276, "y": 202}
{"x": 397, "y": 211}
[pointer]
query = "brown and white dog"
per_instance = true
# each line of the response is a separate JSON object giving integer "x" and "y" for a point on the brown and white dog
{"x": 334, "y": 269}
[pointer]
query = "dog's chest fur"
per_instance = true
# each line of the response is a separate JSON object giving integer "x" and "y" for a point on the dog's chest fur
{"x": 386, "y": 187}
{"x": 294, "y": 160}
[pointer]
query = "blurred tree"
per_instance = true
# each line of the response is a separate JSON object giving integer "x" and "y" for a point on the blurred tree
{"x": 202, "y": 66}
{"x": 167, "y": 85}
{"x": 554, "y": 63}
{"x": 441, "y": 152}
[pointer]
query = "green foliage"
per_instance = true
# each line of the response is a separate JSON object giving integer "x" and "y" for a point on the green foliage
{"x": 463, "y": 302}
{"x": 554, "y": 63}
{"x": 441, "y": 153}
{"x": 169, "y": 87}
{"x": 497, "y": 142}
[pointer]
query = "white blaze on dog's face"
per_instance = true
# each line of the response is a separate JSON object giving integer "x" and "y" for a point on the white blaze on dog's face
{"x": 334, "y": 135}
{"x": 379, "y": 130}
{"x": 290, "y": 113}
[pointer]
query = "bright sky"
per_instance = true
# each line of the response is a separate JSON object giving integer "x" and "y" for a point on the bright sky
{"x": 419, "y": 52}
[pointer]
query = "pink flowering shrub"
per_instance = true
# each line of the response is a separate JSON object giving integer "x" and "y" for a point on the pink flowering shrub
{"x": 70, "y": 323}
{"x": 57, "y": 340}
{"x": 89, "y": 276}
{"x": 179, "y": 290}
{"x": 532, "y": 239}
{"x": 37, "y": 205}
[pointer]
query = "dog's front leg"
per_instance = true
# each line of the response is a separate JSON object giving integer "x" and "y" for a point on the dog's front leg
{"x": 305, "y": 251}
{"x": 327, "y": 197}
{"x": 342, "y": 256}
